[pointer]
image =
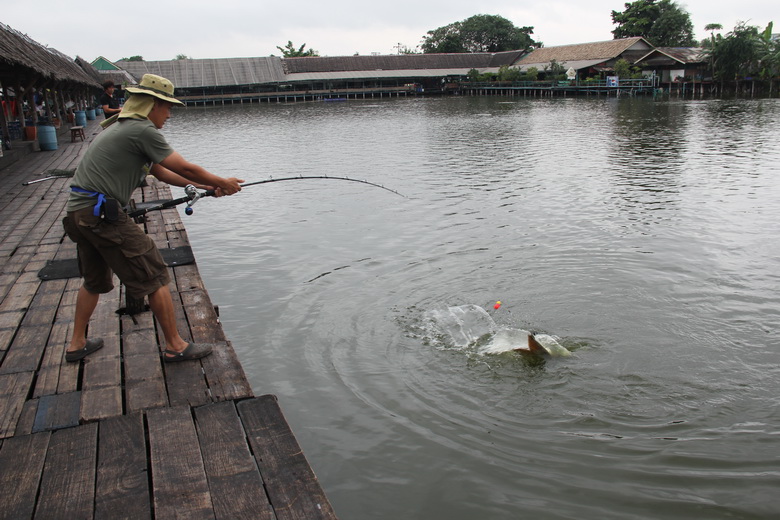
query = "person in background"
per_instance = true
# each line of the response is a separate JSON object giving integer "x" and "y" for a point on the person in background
{"x": 108, "y": 240}
{"x": 107, "y": 101}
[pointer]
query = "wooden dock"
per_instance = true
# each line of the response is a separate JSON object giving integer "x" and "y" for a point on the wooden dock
{"x": 122, "y": 434}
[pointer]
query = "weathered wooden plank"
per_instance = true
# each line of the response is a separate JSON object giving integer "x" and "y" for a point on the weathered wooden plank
{"x": 188, "y": 278}
{"x": 68, "y": 480}
{"x": 44, "y": 306}
{"x": 122, "y": 472}
{"x": 57, "y": 411}
{"x": 225, "y": 375}
{"x": 102, "y": 380}
{"x": 236, "y": 486}
{"x": 202, "y": 317}
{"x": 14, "y": 389}
{"x": 186, "y": 381}
{"x": 292, "y": 486}
{"x": 6, "y": 335}
{"x": 19, "y": 297}
{"x": 21, "y": 460}
{"x": 24, "y": 425}
{"x": 144, "y": 382}
{"x": 101, "y": 398}
{"x": 179, "y": 485}
{"x": 26, "y": 350}
{"x": 49, "y": 372}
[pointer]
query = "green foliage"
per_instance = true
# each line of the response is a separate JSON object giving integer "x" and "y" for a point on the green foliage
{"x": 555, "y": 69}
{"x": 289, "y": 51}
{"x": 403, "y": 49}
{"x": 507, "y": 73}
{"x": 480, "y": 33}
{"x": 532, "y": 74}
{"x": 624, "y": 70}
{"x": 182, "y": 57}
{"x": 745, "y": 51}
{"x": 133, "y": 58}
{"x": 711, "y": 27}
{"x": 663, "y": 23}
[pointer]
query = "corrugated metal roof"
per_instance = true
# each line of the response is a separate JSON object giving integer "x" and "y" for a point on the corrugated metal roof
{"x": 679, "y": 54}
{"x": 399, "y": 62}
{"x": 383, "y": 74}
{"x": 215, "y": 72}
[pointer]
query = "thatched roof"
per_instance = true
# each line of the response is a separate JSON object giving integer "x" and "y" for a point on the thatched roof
{"x": 587, "y": 54}
{"x": 19, "y": 54}
{"x": 218, "y": 72}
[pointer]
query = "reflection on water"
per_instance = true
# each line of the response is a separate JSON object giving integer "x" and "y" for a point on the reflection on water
{"x": 640, "y": 234}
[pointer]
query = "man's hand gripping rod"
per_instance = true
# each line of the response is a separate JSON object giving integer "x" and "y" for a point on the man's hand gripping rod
{"x": 192, "y": 195}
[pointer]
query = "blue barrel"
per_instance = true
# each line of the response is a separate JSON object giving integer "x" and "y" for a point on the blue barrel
{"x": 91, "y": 114}
{"x": 81, "y": 118}
{"x": 47, "y": 137}
{"x": 98, "y": 111}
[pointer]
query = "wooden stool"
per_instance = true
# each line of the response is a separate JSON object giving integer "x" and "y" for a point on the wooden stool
{"x": 76, "y": 131}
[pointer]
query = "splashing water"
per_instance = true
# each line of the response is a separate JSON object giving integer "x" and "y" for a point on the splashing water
{"x": 471, "y": 327}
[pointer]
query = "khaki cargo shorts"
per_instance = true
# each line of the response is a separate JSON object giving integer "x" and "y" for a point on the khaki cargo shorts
{"x": 119, "y": 247}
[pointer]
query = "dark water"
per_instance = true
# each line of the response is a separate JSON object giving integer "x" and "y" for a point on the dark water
{"x": 642, "y": 234}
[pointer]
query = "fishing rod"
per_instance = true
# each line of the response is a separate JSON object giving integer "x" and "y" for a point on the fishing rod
{"x": 192, "y": 195}
{"x": 52, "y": 174}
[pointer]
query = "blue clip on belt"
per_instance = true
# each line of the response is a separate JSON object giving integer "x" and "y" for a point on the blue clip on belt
{"x": 100, "y": 198}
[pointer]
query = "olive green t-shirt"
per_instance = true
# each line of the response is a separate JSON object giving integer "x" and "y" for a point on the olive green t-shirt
{"x": 117, "y": 162}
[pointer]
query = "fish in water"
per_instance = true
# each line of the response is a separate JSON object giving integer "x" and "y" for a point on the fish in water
{"x": 471, "y": 326}
{"x": 519, "y": 340}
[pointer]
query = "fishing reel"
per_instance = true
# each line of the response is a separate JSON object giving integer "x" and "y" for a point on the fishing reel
{"x": 194, "y": 195}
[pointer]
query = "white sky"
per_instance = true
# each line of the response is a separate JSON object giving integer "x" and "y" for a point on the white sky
{"x": 162, "y": 29}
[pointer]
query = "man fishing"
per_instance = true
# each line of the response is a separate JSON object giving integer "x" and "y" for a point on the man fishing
{"x": 108, "y": 241}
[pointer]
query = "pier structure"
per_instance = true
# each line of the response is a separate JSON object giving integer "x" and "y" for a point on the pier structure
{"x": 121, "y": 434}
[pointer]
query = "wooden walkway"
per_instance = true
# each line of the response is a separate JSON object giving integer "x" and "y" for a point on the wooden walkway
{"x": 122, "y": 434}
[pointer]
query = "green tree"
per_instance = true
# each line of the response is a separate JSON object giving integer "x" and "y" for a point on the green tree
{"x": 768, "y": 54}
{"x": 507, "y": 73}
{"x": 480, "y": 33}
{"x": 182, "y": 57}
{"x": 133, "y": 58}
{"x": 289, "y": 51}
{"x": 555, "y": 70}
{"x": 711, "y": 27}
{"x": 663, "y": 23}
{"x": 737, "y": 54}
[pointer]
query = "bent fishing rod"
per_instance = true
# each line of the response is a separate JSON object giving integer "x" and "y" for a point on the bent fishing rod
{"x": 192, "y": 195}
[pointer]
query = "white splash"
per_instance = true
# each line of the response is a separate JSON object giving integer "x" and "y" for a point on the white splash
{"x": 471, "y": 326}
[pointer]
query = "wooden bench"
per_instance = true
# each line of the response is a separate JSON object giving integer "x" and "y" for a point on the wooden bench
{"x": 76, "y": 132}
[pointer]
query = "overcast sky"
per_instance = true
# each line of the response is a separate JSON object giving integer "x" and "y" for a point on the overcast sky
{"x": 162, "y": 29}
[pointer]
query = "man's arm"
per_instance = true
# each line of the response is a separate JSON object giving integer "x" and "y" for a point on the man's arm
{"x": 177, "y": 171}
{"x": 110, "y": 111}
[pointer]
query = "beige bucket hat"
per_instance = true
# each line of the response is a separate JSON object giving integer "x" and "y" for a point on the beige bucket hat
{"x": 156, "y": 86}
